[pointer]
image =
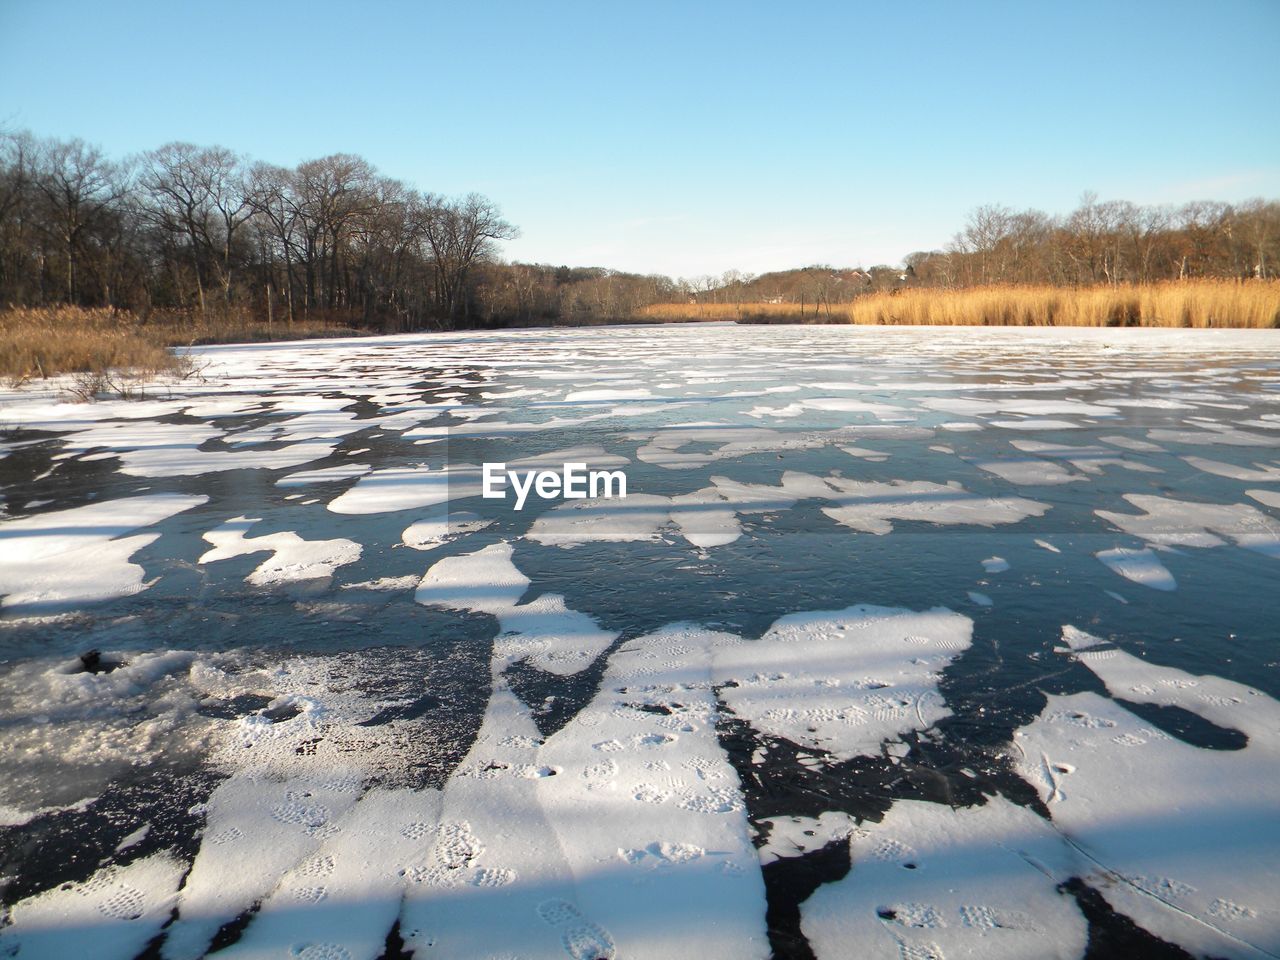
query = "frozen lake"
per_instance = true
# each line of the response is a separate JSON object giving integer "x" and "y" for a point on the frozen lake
{"x": 905, "y": 643}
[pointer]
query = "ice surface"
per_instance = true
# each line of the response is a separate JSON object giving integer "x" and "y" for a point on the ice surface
{"x": 406, "y": 488}
{"x": 1132, "y": 443}
{"x": 1090, "y": 459}
{"x": 1035, "y": 423}
{"x": 70, "y": 732}
{"x": 68, "y": 557}
{"x": 664, "y": 449}
{"x": 1215, "y": 434}
{"x": 871, "y": 506}
{"x": 416, "y": 487}
{"x": 865, "y": 453}
{"x": 797, "y": 835}
{"x": 292, "y": 558}
{"x": 708, "y": 517}
{"x": 111, "y": 917}
{"x": 1270, "y": 498}
{"x": 607, "y": 394}
{"x": 1261, "y": 473}
{"x": 1178, "y": 837}
{"x": 430, "y": 533}
{"x": 1031, "y": 407}
{"x": 482, "y": 582}
{"x": 543, "y": 631}
{"x": 705, "y": 518}
{"x": 158, "y": 449}
{"x": 1028, "y": 471}
{"x": 1140, "y": 566}
{"x": 932, "y": 881}
{"x": 597, "y": 813}
{"x": 621, "y": 835}
{"x": 648, "y": 808}
{"x": 1168, "y": 522}
{"x": 343, "y": 471}
{"x": 847, "y": 680}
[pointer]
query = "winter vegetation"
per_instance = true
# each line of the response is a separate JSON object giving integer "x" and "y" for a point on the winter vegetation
{"x": 1186, "y": 303}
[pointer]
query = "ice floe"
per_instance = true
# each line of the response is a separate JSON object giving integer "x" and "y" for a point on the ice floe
{"x": 1028, "y": 471}
{"x": 1168, "y": 522}
{"x": 543, "y": 632}
{"x": 611, "y": 822}
{"x": 932, "y": 881}
{"x": 1140, "y": 566}
{"x": 75, "y": 556}
{"x": 1260, "y": 473}
{"x": 433, "y": 531}
{"x": 1180, "y": 838}
{"x": 292, "y": 558}
{"x": 343, "y": 471}
{"x": 847, "y": 680}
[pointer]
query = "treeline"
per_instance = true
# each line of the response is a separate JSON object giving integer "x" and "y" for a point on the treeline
{"x": 205, "y": 233}
{"x": 1108, "y": 242}
{"x": 204, "y": 230}
{"x": 1113, "y": 243}
{"x": 525, "y": 293}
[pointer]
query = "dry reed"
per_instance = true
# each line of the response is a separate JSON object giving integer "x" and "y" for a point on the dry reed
{"x": 1199, "y": 303}
{"x": 42, "y": 342}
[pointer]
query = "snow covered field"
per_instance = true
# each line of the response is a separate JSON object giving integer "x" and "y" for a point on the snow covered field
{"x": 905, "y": 643}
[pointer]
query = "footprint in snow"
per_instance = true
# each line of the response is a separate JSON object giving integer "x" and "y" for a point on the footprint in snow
{"x": 920, "y": 951}
{"x": 582, "y": 939}
{"x": 457, "y": 846}
{"x": 600, "y": 773}
{"x": 125, "y": 903}
{"x": 318, "y": 866}
{"x": 557, "y": 912}
{"x": 320, "y": 951}
{"x": 587, "y": 941}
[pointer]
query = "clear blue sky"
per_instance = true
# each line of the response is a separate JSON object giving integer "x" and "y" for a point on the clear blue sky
{"x": 687, "y": 138}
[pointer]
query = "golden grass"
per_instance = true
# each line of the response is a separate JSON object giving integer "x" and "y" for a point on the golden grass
{"x": 38, "y": 343}
{"x": 41, "y": 342}
{"x": 1198, "y": 303}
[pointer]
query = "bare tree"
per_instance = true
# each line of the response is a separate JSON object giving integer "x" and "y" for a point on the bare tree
{"x": 77, "y": 186}
{"x": 1261, "y": 226}
{"x": 460, "y": 234}
{"x": 198, "y": 194}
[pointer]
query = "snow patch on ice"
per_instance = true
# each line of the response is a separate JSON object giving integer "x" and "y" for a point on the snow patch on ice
{"x": 930, "y": 881}
{"x": 432, "y": 532}
{"x": 110, "y": 916}
{"x": 1177, "y": 837}
{"x": 1261, "y": 473}
{"x": 844, "y": 681}
{"x": 1140, "y": 566}
{"x": 292, "y": 558}
{"x": 344, "y": 471}
{"x": 77, "y": 556}
{"x": 543, "y": 631}
{"x": 1168, "y": 522}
